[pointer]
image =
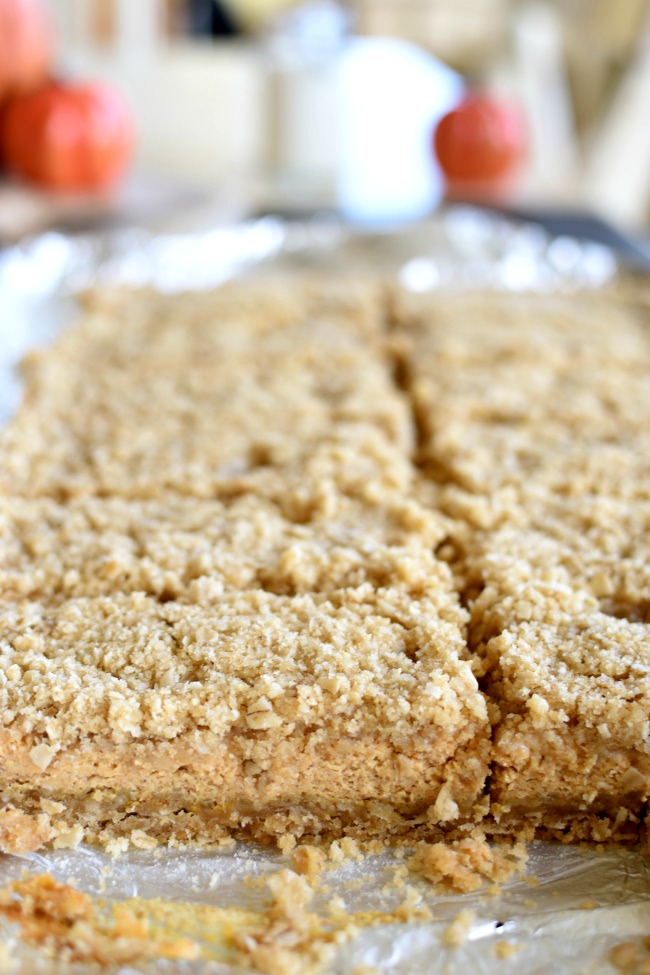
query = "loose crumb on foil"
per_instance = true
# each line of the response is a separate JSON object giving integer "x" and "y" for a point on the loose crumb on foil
{"x": 286, "y": 937}
{"x": 632, "y": 957}
{"x": 308, "y": 861}
{"x": 465, "y": 865}
{"x": 457, "y": 932}
{"x": 506, "y": 949}
{"x": 66, "y": 924}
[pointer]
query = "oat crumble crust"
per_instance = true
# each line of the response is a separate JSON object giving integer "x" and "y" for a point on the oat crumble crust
{"x": 230, "y": 602}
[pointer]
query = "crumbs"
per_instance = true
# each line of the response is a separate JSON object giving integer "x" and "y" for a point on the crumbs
{"x": 288, "y": 935}
{"x": 506, "y": 949}
{"x": 308, "y": 861}
{"x": 457, "y": 932}
{"x": 67, "y": 925}
{"x": 344, "y": 849}
{"x": 631, "y": 957}
{"x": 466, "y": 865}
{"x": 284, "y": 938}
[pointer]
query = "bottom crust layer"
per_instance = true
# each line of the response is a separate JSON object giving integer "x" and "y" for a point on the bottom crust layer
{"x": 305, "y": 787}
{"x": 366, "y": 790}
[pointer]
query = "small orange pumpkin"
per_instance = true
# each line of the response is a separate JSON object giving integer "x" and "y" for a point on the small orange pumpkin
{"x": 68, "y": 137}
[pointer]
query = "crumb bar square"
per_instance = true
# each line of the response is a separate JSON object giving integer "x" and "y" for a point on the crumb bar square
{"x": 564, "y": 638}
{"x": 185, "y": 394}
{"x": 532, "y": 416}
{"x": 347, "y": 713}
{"x": 220, "y": 607}
{"x": 519, "y": 395}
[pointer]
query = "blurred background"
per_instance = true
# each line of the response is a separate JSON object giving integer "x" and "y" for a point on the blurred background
{"x": 236, "y": 107}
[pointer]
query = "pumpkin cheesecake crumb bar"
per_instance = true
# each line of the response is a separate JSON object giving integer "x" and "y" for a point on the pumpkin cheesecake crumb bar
{"x": 223, "y": 601}
{"x": 519, "y": 398}
{"x": 348, "y": 713}
{"x": 220, "y": 610}
{"x": 187, "y": 394}
{"x": 533, "y": 428}
{"x": 566, "y": 655}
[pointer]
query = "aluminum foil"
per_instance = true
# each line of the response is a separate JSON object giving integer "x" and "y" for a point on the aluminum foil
{"x": 572, "y": 905}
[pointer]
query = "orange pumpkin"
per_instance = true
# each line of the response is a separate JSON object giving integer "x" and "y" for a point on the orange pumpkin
{"x": 25, "y": 46}
{"x": 68, "y": 137}
{"x": 480, "y": 144}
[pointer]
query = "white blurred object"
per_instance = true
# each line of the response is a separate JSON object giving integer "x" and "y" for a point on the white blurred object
{"x": 617, "y": 175}
{"x": 303, "y": 110}
{"x": 393, "y": 95}
{"x": 140, "y": 29}
{"x": 352, "y": 119}
{"x": 542, "y": 85}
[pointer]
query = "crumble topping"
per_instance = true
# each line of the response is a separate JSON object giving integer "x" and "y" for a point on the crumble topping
{"x": 172, "y": 548}
{"x": 129, "y": 666}
{"x": 186, "y": 398}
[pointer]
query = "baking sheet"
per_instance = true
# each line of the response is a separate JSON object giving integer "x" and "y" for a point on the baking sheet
{"x": 572, "y": 905}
